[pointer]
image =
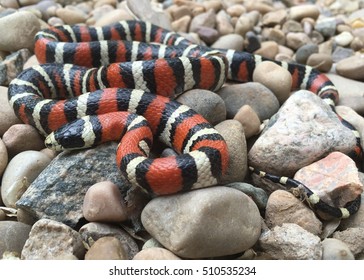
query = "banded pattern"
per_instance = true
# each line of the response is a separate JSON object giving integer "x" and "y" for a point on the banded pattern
{"x": 156, "y": 60}
{"x": 313, "y": 200}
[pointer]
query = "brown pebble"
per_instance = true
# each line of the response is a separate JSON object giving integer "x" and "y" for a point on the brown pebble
{"x": 106, "y": 248}
{"x": 320, "y": 61}
{"x": 155, "y": 253}
{"x": 249, "y": 119}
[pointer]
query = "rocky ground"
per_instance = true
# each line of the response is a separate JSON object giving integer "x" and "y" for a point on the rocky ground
{"x": 75, "y": 205}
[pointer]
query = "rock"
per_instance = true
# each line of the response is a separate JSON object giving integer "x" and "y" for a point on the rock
{"x": 152, "y": 243}
{"x": 233, "y": 133}
{"x": 13, "y": 65}
{"x": 292, "y": 26}
{"x": 344, "y": 39}
{"x": 180, "y": 11}
{"x": 223, "y": 23}
{"x": 249, "y": 119}
{"x": 10, "y": 4}
{"x": 283, "y": 148}
{"x": 21, "y": 171}
{"x": 13, "y": 236}
{"x": 274, "y": 18}
{"x": 71, "y": 15}
{"x": 56, "y": 238}
{"x": 207, "y": 19}
{"x": 353, "y": 118}
{"x": 155, "y": 254}
{"x": 182, "y": 24}
{"x": 274, "y": 77}
{"x": 356, "y": 44}
{"x": 22, "y": 137}
{"x": 2, "y": 215}
{"x": 208, "y": 35}
{"x": 353, "y": 238}
{"x": 103, "y": 203}
{"x": 341, "y": 53}
{"x": 334, "y": 179}
{"x": 236, "y": 10}
{"x": 243, "y": 25}
{"x": 23, "y": 25}
{"x": 112, "y": 17}
{"x": 268, "y": 49}
{"x": 206, "y": 103}
{"x": 7, "y": 116}
{"x": 320, "y": 61}
{"x": 291, "y": 242}
{"x": 351, "y": 67}
{"x": 3, "y": 157}
{"x": 206, "y": 222}
{"x": 59, "y": 190}
{"x": 305, "y": 51}
{"x": 155, "y": 16}
{"x": 326, "y": 26}
{"x": 106, "y": 248}
{"x": 257, "y": 96}
{"x": 253, "y": 42}
{"x": 300, "y": 12}
{"x": 297, "y": 40}
{"x": 283, "y": 207}
{"x": 229, "y": 41}
{"x": 274, "y": 34}
{"x": 92, "y": 232}
{"x": 334, "y": 249}
{"x": 258, "y": 195}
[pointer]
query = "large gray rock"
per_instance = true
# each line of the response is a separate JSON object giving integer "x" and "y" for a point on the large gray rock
{"x": 204, "y": 223}
{"x": 304, "y": 130}
{"x": 58, "y": 192}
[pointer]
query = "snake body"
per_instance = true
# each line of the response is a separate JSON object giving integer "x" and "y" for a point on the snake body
{"x": 146, "y": 58}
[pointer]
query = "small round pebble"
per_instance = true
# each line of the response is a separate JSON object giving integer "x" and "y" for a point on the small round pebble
{"x": 351, "y": 67}
{"x": 7, "y": 116}
{"x": 230, "y": 41}
{"x": 71, "y": 15}
{"x": 320, "y": 61}
{"x": 106, "y": 248}
{"x": 268, "y": 49}
{"x": 274, "y": 77}
{"x": 249, "y": 119}
{"x": 103, "y": 203}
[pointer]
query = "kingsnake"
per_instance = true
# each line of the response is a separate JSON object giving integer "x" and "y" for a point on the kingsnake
{"x": 141, "y": 58}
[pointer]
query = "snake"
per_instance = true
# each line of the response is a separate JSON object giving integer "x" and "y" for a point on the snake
{"x": 119, "y": 82}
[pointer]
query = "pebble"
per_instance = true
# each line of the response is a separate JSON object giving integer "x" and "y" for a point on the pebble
{"x": 103, "y": 203}
{"x": 351, "y": 67}
{"x": 62, "y": 185}
{"x": 13, "y": 236}
{"x": 258, "y": 195}
{"x": 274, "y": 18}
{"x": 341, "y": 53}
{"x": 326, "y": 26}
{"x": 257, "y": 96}
{"x": 334, "y": 179}
{"x": 233, "y": 133}
{"x": 229, "y": 41}
{"x": 208, "y": 35}
{"x": 297, "y": 40}
{"x": 253, "y": 42}
{"x": 112, "y": 17}
{"x": 274, "y": 34}
{"x": 249, "y": 119}
{"x": 106, "y": 248}
{"x": 344, "y": 39}
{"x": 3, "y": 157}
{"x": 93, "y": 231}
{"x": 236, "y": 10}
{"x": 305, "y": 51}
{"x": 207, "y": 19}
{"x": 291, "y": 242}
{"x": 22, "y": 137}
{"x": 320, "y": 61}
{"x": 57, "y": 240}
{"x": 300, "y": 12}
{"x": 21, "y": 36}
{"x": 223, "y": 23}
{"x": 292, "y": 26}
{"x": 334, "y": 249}
{"x": 71, "y": 15}
{"x": 274, "y": 77}
{"x": 207, "y": 103}
{"x": 21, "y": 171}
{"x": 155, "y": 254}
{"x": 268, "y": 49}
{"x": 205, "y": 220}
{"x": 243, "y": 25}
{"x": 283, "y": 147}
{"x": 353, "y": 238}
{"x": 182, "y": 24}
{"x": 2, "y": 215}
{"x": 284, "y": 207}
